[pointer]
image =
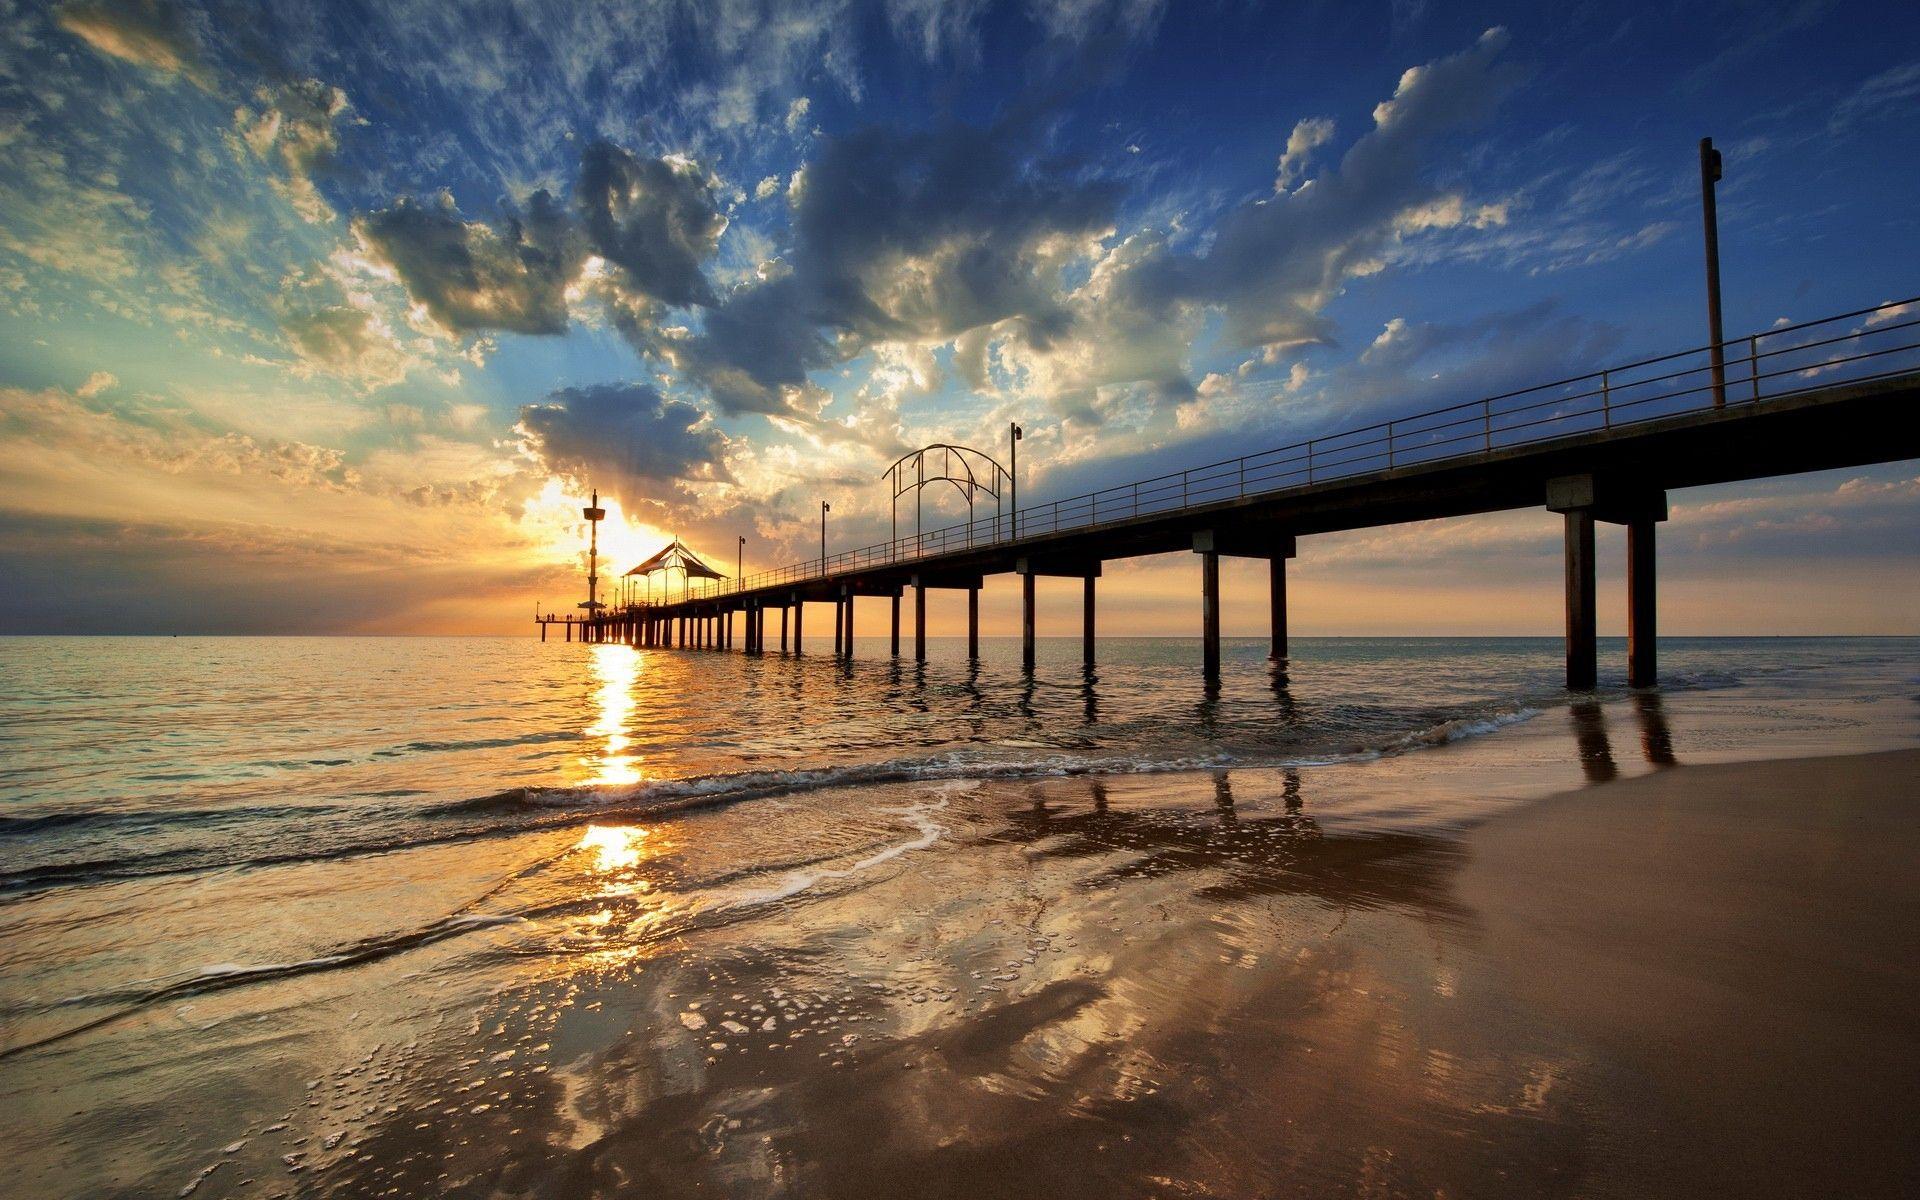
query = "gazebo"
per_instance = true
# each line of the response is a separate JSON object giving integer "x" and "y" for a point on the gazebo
{"x": 675, "y": 557}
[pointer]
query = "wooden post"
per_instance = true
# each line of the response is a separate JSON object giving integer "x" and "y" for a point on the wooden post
{"x": 1026, "y": 621}
{"x": 783, "y": 629}
{"x": 1086, "y": 621}
{"x": 1642, "y": 669}
{"x": 894, "y": 626}
{"x": 799, "y": 619}
{"x": 1582, "y": 667}
{"x": 543, "y": 631}
{"x": 973, "y": 624}
{"x": 1210, "y": 615}
{"x": 919, "y": 621}
{"x": 839, "y": 626}
{"x": 569, "y": 623}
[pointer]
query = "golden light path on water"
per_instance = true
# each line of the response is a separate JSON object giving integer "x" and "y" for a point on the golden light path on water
{"x": 616, "y": 668}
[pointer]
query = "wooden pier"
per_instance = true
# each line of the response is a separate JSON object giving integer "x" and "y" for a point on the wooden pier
{"x": 1600, "y": 449}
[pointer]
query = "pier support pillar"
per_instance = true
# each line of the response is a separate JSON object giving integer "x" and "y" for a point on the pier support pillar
{"x": 783, "y": 629}
{"x": 1642, "y": 668}
{"x": 919, "y": 620}
{"x": 1086, "y": 621}
{"x": 799, "y": 618}
{"x": 848, "y": 609}
{"x": 1277, "y": 605}
{"x": 973, "y": 624}
{"x": 569, "y": 630}
{"x": 1582, "y": 666}
{"x": 1210, "y": 615}
{"x": 543, "y": 631}
{"x": 893, "y": 626}
{"x": 1026, "y": 621}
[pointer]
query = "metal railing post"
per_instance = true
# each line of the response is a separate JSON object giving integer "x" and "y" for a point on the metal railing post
{"x": 1606, "y": 398}
{"x": 1753, "y": 362}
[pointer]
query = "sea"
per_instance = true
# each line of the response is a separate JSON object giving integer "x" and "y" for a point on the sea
{"x": 261, "y": 899}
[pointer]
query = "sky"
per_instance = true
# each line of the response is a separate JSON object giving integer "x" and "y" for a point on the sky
{"x": 326, "y": 317}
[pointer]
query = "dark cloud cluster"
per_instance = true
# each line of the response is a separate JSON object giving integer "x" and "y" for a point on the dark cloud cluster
{"x": 955, "y": 234}
{"x": 654, "y": 221}
{"x": 903, "y": 236}
{"x": 625, "y": 437}
{"x": 471, "y": 276}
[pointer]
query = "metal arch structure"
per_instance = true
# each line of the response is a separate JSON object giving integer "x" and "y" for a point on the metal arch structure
{"x": 674, "y": 556}
{"x": 970, "y": 471}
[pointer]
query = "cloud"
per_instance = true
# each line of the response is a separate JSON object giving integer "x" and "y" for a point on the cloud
{"x": 625, "y": 438}
{"x": 901, "y": 237}
{"x": 1275, "y": 263}
{"x": 471, "y": 276}
{"x": 295, "y": 125}
{"x": 1891, "y": 91}
{"x": 153, "y": 33}
{"x": 1308, "y": 134}
{"x": 96, "y": 383}
{"x": 655, "y": 219}
{"x": 346, "y": 341}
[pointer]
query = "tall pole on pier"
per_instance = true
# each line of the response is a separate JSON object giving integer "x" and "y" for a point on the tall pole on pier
{"x": 1014, "y": 434}
{"x": 1710, "y": 216}
{"x": 825, "y": 508}
{"x": 594, "y": 515}
{"x": 739, "y": 560}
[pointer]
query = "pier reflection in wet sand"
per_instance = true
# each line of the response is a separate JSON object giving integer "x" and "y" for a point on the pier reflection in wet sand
{"x": 1079, "y": 994}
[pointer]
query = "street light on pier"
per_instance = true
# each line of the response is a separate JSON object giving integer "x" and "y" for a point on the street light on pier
{"x": 1013, "y": 476}
{"x": 825, "y": 508}
{"x": 1710, "y": 216}
{"x": 739, "y": 567}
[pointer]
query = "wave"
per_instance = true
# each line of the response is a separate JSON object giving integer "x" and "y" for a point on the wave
{"x": 141, "y": 818}
{"x": 125, "y": 1002}
{"x": 516, "y": 810}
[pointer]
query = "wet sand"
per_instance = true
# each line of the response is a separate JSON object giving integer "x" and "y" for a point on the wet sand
{"x": 1691, "y": 982}
{"x": 1737, "y": 946}
{"x": 1391, "y": 978}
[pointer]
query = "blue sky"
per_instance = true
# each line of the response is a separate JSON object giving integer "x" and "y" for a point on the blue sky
{"x": 323, "y": 316}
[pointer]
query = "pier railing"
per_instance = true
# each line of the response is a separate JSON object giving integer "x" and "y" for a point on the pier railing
{"x": 1853, "y": 347}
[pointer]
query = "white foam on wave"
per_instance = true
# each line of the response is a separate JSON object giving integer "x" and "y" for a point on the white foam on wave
{"x": 920, "y": 816}
{"x": 662, "y": 797}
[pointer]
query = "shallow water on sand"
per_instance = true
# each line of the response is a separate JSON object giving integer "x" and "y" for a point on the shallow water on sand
{"x": 479, "y": 917}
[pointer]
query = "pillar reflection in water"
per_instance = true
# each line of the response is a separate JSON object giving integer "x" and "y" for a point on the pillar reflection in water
{"x": 1656, "y": 740}
{"x": 1591, "y": 741}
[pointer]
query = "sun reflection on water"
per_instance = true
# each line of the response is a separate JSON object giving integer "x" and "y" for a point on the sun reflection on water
{"x": 617, "y": 668}
{"x": 615, "y": 847}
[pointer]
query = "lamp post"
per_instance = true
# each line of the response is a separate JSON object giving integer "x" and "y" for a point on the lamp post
{"x": 1710, "y": 216}
{"x": 739, "y": 560}
{"x": 1015, "y": 433}
{"x": 825, "y": 508}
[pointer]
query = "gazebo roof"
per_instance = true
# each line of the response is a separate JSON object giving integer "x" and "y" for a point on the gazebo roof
{"x": 676, "y": 556}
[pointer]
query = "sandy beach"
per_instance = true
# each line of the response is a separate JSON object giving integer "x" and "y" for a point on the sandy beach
{"x": 1692, "y": 981}
{"x": 1736, "y": 946}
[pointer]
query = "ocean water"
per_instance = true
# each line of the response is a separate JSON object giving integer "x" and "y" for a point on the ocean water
{"x": 253, "y": 886}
